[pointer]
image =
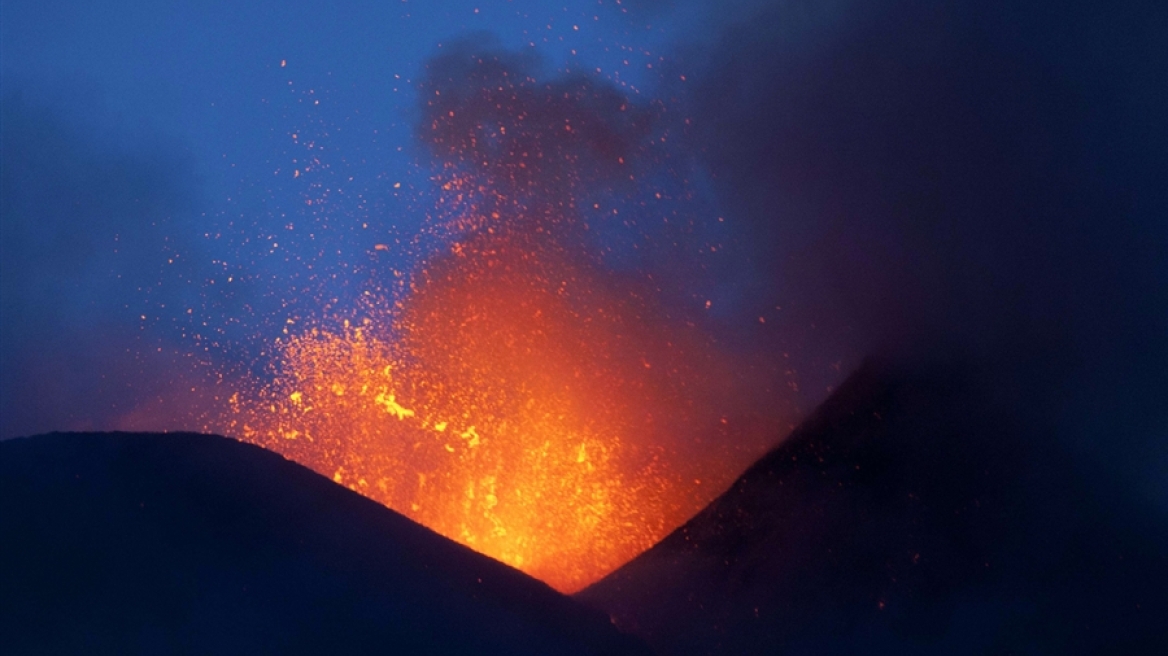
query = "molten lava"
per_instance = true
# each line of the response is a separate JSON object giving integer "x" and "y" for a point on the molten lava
{"x": 512, "y": 403}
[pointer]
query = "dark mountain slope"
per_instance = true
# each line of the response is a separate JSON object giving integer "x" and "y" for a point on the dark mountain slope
{"x": 182, "y": 543}
{"x": 907, "y": 515}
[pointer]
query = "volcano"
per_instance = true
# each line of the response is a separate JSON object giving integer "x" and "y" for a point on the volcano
{"x": 186, "y": 543}
{"x": 908, "y": 514}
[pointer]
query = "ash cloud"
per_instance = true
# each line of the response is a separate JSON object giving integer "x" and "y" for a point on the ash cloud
{"x": 981, "y": 182}
{"x": 570, "y": 158}
{"x": 537, "y": 145}
{"x": 92, "y": 229}
{"x": 567, "y": 160}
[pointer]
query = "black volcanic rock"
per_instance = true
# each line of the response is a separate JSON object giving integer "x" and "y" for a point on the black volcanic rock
{"x": 907, "y": 515}
{"x": 183, "y": 543}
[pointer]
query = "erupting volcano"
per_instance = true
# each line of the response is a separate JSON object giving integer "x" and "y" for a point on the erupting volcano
{"x": 597, "y": 327}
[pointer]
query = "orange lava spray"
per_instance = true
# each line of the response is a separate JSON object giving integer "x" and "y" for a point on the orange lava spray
{"x": 516, "y": 395}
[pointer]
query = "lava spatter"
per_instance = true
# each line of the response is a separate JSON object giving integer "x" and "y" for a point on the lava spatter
{"x": 515, "y": 394}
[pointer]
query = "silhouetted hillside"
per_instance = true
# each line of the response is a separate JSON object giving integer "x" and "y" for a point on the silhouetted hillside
{"x": 182, "y": 543}
{"x": 907, "y": 515}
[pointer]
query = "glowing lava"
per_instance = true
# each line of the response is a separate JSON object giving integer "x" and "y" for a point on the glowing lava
{"x": 518, "y": 396}
{"x": 511, "y": 404}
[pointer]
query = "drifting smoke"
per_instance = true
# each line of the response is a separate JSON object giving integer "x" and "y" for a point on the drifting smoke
{"x": 969, "y": 181}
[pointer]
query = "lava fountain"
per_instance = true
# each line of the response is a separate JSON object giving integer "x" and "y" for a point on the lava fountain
{"x": 513, "y": 403}
{"x": 517, "y": 396}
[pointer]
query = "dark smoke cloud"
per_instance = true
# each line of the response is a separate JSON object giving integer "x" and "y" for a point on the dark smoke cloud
{"x": 569, "y": 156}
{"x": 969, "y": 180}
{"x": 535, "y": 145}
{"x": 91, "y": 231}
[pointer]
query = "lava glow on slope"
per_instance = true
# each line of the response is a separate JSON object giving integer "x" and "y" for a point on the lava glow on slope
{"x": 516, "y": 395}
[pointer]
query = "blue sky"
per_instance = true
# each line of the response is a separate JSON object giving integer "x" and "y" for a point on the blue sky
{"x": 238, "y": 90}
{"x": 228, "y": 84}
{"x": 209, "y": 74}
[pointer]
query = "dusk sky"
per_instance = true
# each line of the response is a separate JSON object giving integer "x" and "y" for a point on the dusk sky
{"x": 142, "y": 134}
{"x": 160, "y": 146}
{"x": 971, "y": 182}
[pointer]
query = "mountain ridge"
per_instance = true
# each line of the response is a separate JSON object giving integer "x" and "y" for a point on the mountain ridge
{"x": 124, "y": 543}
{"x": 907, "y": 514}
